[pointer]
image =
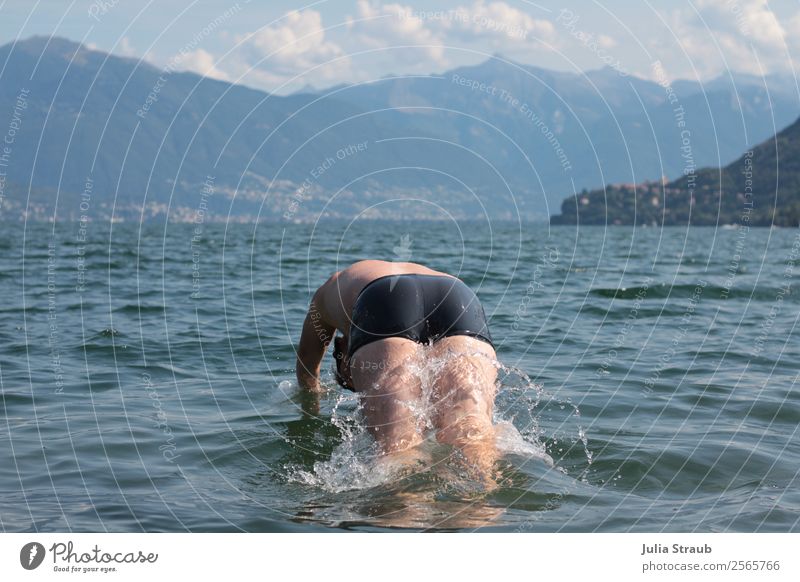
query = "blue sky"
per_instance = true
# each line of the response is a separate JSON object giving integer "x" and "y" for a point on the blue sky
{"x": 281, "y": 46}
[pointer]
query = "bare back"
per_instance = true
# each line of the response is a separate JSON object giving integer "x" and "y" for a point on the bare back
{"x": 340, "y": 292}
{"x": 331, "y": 310}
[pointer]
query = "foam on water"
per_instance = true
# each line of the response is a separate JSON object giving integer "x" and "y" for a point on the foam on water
{"x": 356, "y": 463}
{"x": 353, "y": 463}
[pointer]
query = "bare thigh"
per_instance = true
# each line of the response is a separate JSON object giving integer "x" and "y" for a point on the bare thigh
{"x": 464, "y": 392}
{"x": 390, "y": 391}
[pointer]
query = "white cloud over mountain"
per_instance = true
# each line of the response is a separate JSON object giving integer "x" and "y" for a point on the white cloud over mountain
{"x": 372, "y": 38}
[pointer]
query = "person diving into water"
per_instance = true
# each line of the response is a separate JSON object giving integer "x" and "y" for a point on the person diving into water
{"x": 391, "y": 317}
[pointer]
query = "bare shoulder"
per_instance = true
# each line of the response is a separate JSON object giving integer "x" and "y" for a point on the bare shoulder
{"x": 321, "y": 297}
{"x": 335, "y": 298}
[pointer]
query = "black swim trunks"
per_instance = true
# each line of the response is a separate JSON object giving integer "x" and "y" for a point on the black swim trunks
{"x": 422, "y": 308}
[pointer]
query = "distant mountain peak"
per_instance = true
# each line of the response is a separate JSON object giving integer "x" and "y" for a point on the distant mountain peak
{"x": 51, "y": 47}
{"x": 53, "y": 44}
{"x": 146, "y": 137}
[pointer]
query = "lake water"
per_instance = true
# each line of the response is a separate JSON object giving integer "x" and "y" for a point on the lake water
{"x": 649, "y": 380}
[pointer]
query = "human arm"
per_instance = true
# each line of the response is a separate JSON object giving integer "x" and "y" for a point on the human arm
{"x": 317, "y": 333}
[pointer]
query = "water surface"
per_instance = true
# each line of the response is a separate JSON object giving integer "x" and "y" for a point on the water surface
{"x": 147, "y": 380}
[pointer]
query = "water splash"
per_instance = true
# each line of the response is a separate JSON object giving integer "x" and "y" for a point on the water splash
{"x": 356, "y": 463}
{"x": 582, "y": 438}
{"x": 529, "y": 406}
{"x": 352, "y": 463}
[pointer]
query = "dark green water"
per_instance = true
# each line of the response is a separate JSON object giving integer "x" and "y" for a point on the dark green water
{"x": 147, "y": 380}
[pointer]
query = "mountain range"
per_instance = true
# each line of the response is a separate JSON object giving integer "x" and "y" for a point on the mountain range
{"x": 105, "y": 136}
{"x": 760, "y": 188}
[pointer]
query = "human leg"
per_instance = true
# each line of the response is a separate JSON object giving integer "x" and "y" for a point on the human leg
{"x": 381, "y": 374}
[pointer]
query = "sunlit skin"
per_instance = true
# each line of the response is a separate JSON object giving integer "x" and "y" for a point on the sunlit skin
{"x": 462, "y": 399}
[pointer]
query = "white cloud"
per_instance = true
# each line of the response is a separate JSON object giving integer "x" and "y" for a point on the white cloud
{"x": 297, "y": 50}
{"x": 723, "y": 34}
{"x": 285, "y": 56}
{"x": 792, "y": 27}
{"x": 502, "y": 24}
{"x": 395, "y": 25}
{"x": 296, "y": 44}
{"x": 291, "y": 48}
{"x": 605, "y": 41}
{"x": 752, "y": 20}
{"x": 203, "y": 63}
{"x": 125, "y": 48}
{"x": 489, "y": 26}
